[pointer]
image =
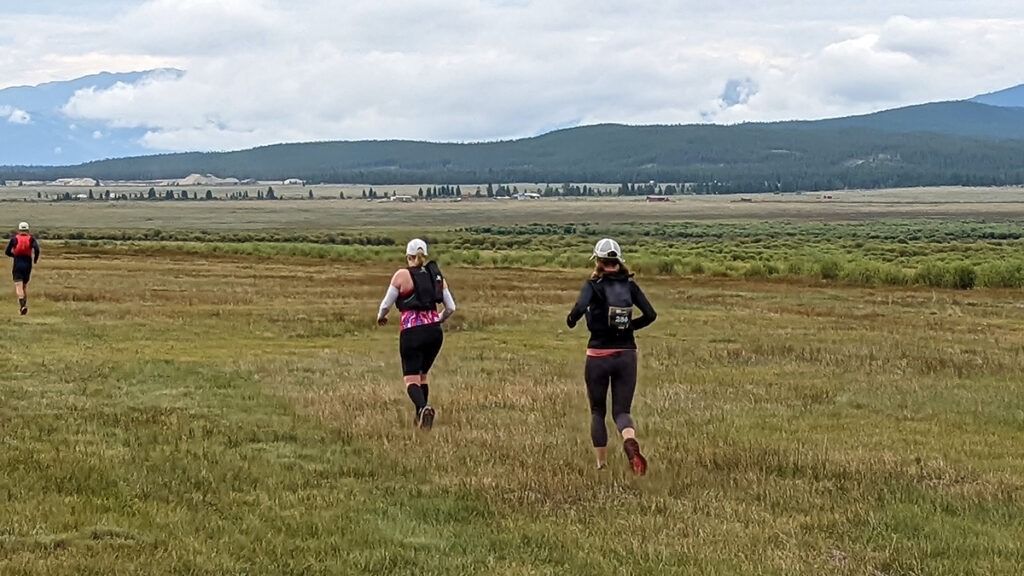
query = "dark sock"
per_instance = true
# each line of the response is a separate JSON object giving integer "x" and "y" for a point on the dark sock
{"x": 416, "y": 395}
{"x": 426, "y": 392}
{"x": 21, "y": 302}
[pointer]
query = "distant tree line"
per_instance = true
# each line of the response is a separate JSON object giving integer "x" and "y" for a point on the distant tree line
{"x": 709, "y": 159}
{"x": 168, "y": 194}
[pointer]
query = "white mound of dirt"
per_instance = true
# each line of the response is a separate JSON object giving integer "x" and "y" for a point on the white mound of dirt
{"x": 204, "y": 180}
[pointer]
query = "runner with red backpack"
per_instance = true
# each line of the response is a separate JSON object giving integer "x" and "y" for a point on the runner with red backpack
{"x": 417, "y": 290}
{"x": 24, "y": 249}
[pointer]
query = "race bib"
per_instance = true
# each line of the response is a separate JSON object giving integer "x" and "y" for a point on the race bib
{"x": 619, "y": 318}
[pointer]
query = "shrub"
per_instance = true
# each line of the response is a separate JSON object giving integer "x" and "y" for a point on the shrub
{"x": 963, "y": 276}
{"x": 829, "y": 268}
{"x": 799, "y": 267}
{"x": 471, "y": 257}
{"x": 892, "y": 275}
{"x": 665, "y": 266}
{"x": 1001, "y": 274}
{"x": 694, "y": 266}
{"x": 932, "y": 274}
{"x": 861, "y": 273}
{"x": 755, "y": 270}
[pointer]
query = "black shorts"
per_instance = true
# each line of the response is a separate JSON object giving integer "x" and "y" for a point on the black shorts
{"x": 22, "y": 273}
{"x": 418, "y": 347}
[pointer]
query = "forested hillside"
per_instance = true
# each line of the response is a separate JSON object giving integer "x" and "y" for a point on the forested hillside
{"x": 952, "y": 143}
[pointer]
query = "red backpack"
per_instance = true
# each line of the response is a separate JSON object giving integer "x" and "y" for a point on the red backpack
{"x": 23, "y": 247}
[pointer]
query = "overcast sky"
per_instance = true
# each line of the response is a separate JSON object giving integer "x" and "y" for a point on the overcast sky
{"x": 267, "y": 71}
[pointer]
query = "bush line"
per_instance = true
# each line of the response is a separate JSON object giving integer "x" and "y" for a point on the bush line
{"x": 933, "y": 271}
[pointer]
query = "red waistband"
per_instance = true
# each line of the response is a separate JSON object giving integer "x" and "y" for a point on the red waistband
{"x": 605, "y": 352}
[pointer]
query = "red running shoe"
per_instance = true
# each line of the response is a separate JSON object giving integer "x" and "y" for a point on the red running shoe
{"x": 636, "y": 460}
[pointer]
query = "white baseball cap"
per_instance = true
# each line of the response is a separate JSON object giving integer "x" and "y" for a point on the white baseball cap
{"x": 22, "y": 225}
{"x": 608, "y": 248}
{"x": 415, "y": 245}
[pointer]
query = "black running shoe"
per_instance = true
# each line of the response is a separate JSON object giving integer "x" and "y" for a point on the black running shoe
{"x": 426, "y": 418}
{"x": 24, "y": 310}
{"x": 636, "y": 460}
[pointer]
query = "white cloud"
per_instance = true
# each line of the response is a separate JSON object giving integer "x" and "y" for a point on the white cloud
{"x": 900, "y": 62}
{"x": 15, "y": 115}
{"x": 266, "y": 71}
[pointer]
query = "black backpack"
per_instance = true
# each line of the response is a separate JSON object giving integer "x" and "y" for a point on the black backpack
{"x": 427, "y": 288}
{"x": 617, "y": 294}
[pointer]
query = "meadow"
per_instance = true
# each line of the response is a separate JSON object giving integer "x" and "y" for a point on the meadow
{"x": 294, "y": 211}
{"x": 198, "y": 402}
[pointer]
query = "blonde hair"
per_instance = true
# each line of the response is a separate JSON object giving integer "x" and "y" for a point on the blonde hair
{"x": 419, "y": 260}
{"x": 600, "y": 271}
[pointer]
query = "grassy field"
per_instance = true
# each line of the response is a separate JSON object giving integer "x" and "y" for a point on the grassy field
{"x": 169, "y": 413}
{"x": 199, "y": 388}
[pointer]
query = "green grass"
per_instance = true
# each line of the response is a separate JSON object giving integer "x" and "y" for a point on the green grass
{"x": 209, "y": 413}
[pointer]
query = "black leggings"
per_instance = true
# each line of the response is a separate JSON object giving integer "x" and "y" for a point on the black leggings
{"x": 618, "y": 371}
{"x": 418, "y": 346}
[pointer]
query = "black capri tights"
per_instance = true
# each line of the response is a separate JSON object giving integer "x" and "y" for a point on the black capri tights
{"x": 619, "y": 372}
{"x": 418, "y": 346}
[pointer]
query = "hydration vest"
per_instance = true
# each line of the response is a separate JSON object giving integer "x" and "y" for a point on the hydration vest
{"x": 23, "y": 245}
{"x": 427, "y": 288}
{"x": 617, "y": 295}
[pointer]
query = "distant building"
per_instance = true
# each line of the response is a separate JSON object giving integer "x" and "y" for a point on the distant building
{"x": 401, "y": 199}
{"x": 657, "y": 198}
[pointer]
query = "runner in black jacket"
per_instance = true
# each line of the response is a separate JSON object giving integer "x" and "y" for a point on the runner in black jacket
{"x": 607, "y": 301}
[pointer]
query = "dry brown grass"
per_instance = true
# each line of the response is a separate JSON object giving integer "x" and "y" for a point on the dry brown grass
{"x": 175, "y": 413}
{"x": 327, "y": 213}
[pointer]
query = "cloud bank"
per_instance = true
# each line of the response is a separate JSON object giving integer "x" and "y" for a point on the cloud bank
{"x": 263, "y": 71}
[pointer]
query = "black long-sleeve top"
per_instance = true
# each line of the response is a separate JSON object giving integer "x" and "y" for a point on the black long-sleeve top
{"x": 22, "y": 259}
{"x": 592, "y": 304}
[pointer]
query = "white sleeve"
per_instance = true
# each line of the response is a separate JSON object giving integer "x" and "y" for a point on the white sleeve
{"x": 449, "y": 305}
{"x": 389, "y": 300}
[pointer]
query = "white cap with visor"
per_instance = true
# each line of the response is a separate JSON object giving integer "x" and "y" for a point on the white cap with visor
{"x": 415, "y": 245}
{"x": 606, "y": 248}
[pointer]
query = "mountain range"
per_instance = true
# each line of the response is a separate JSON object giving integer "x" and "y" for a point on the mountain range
{"x": 974, "y": 141}
{"x": 35, "y": 130}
